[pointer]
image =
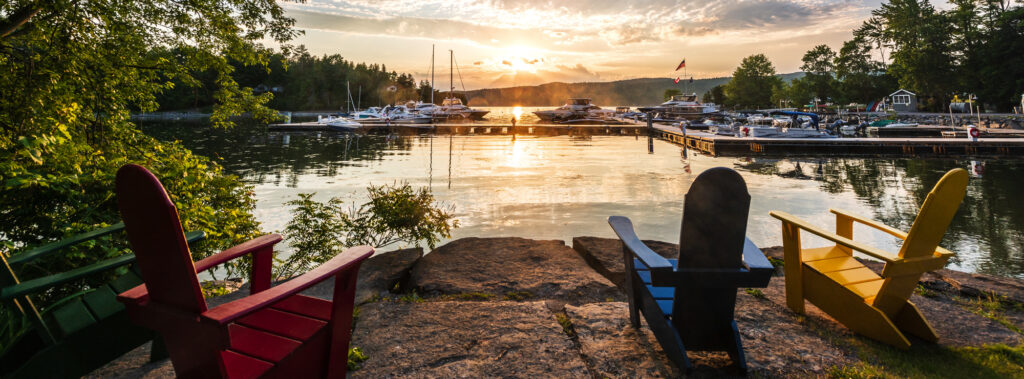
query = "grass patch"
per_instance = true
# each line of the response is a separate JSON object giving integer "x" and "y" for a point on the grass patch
{"x": 933, "y": 361}
{"x": 776, "y": 262}
{"x": 411, "y": 297}
{"x": 566, "y": 324}
{"x": 922, "y": 360}
{"x": 921, "y": 290}
{"x": 756, "y": 293}
{"x": 991, "y": 307}
{"x": 518, "y": 295}
{"x": 355, "y": 357}
{"x": 469, "y": 296}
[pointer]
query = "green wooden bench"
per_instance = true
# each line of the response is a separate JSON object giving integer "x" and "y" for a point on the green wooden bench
{"x": 78, "y": 333}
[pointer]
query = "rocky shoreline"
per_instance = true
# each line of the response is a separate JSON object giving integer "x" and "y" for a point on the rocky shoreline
{"x": 515, "y": 307}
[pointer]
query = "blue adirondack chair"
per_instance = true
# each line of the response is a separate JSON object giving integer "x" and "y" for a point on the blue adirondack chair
{"x": 689, "y": 302}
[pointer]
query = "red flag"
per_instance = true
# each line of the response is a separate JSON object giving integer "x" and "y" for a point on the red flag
{"x": 676, "y": 81}
{"x": 681, "y": 64}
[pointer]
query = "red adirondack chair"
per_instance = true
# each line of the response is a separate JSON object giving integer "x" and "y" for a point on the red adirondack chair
{"x": 272, "y": 332}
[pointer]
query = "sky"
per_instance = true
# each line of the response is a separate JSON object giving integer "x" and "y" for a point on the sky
{"x": 503, "y": 43}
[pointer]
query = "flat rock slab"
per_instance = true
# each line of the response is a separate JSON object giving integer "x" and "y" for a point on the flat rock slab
{"x": 377, "y": 275}
{"x": 957, "y": 326}
{"x": 614, "y": 349}
{"x": 544, "y": 270}
{"x": 464, "y": 339}
{"x": 778, "y": 343}
{"x": 605, "y": 255}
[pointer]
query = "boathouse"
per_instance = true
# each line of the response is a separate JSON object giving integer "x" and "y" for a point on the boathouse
{"x": 903, "y": 101}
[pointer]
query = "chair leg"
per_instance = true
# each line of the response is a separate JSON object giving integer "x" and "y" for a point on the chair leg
{"x": 793, "y": 267}
{"x": 672, "y": 345}
{"x": 736, "y": 350}
{"x": 158, "y": 351}
{"x": 632, "y": 287}
{"x": 910, "y": 320}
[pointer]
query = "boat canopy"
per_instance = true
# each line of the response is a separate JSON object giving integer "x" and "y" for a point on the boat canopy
{"x": 579, "y": 101}
{"x": 794, "y": 114}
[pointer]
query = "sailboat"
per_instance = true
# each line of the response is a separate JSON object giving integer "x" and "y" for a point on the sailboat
{"x": 452, "y": 107}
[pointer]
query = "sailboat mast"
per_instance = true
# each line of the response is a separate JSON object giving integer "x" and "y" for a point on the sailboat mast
{"x": 451, "y": 73}
{"x": 431, "y": 74}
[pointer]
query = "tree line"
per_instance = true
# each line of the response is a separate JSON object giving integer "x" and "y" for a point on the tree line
{"x": 975, "y": 48}
{"x": 299, "y": 80}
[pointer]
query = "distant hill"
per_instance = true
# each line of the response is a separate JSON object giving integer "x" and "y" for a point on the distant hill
{"x": 644, "y": 91}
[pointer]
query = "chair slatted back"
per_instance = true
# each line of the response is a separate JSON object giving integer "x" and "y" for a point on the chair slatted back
{"x": 714, "y": 220}
{"x": 154, "y": 231}
{"x": 713, "y": 235}
{"x": 936, "y": 213}
{"x": 929, "y": 227}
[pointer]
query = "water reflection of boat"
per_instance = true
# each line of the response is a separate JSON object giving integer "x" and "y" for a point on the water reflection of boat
{"x": 575, "y": 108}
{"x": 680, "y": 107}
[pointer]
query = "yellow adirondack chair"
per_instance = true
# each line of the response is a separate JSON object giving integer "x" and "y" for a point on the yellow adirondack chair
{"x": 874, "y": 306}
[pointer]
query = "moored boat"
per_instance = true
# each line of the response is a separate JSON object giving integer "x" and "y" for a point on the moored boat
{"x": 680, "y": 107}
{"x": 338, "y": 123}
{"x": 575, "y": 108}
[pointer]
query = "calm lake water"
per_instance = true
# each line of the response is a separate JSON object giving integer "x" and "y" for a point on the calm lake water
{"x": 558, "y": 187}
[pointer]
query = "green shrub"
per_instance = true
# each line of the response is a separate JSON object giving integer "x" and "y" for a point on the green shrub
{"x": 394, "y": 214}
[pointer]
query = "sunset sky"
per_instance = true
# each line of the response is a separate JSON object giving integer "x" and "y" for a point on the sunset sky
{"x": 506, "y": 43}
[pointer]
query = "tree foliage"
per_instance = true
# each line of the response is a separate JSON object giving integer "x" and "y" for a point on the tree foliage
{"x": 974, "y": 47}
{"x": 752, "y": 83}
{"x": 671, "y": 92}
{"x": 73, "y": 72}
{"x": 393, "y": 214}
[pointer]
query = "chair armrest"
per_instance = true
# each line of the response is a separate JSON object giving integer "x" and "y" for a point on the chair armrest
{"x": 53, "y": 247}
{"x": 624, "y": 229}
{"x": 869, "y": 250}
{"x": 236, "y": 251}
{"x": 46, "y": 282}
{"x": 754, "y": 258}
{"x": 234, "y": 310}
{"x": 714, "y": 278}
{"x": 756, "y": 273}
{"x": 872, "y": 223}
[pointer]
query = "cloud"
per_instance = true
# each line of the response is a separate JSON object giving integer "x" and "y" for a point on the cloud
{"x": 545, "y": 24}
{"x": 616, "y": 38}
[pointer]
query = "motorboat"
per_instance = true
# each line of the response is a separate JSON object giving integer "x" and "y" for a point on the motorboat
{"x": 808, "y": 129}
{"x": 338, "y": 123}
{"x": 575, "y": 108}
{"x": 680, "y": 107}
{"x": 402, "y": 115}
{"x": 452, "y": 108}
{"x": 773, "y": 132}
{"x": 369, "y": 114}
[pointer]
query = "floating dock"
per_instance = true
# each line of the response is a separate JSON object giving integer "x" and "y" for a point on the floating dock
{"x": 717, "y": 145}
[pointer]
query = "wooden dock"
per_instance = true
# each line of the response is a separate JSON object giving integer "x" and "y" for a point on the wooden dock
{"x": 717, "y": 145}
{"x": 477, "y": 128}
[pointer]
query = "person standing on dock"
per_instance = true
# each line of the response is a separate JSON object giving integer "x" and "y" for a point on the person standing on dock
{"x": 513, "y": 122}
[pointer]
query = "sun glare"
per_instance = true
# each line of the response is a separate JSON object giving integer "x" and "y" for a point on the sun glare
{"x": 520, "y": 58}
{"x": 517, "y": 112}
